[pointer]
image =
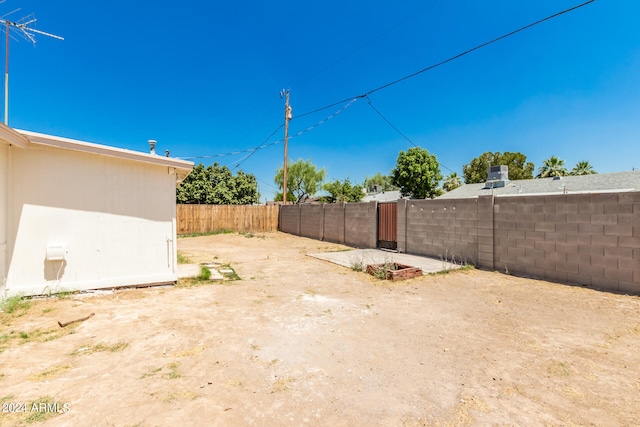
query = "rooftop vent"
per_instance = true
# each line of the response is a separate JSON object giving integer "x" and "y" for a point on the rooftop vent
{"x": 152, "y": 146}
{"x": 497, "y": 176}
{"x": 498, "y": 173}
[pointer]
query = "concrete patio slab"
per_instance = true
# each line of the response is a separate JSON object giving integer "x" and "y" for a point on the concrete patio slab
{"x": 378, "y": 256}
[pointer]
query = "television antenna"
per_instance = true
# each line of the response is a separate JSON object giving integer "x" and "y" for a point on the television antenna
{"x": 23, "y": 29}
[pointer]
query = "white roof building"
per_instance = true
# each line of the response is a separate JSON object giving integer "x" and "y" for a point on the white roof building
{"x": 76, "y": 215}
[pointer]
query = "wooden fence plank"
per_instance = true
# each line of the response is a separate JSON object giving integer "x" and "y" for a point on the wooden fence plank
{"x": 239, "y": 218}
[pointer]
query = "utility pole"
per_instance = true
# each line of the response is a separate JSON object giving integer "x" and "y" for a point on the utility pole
{"x": 287, "y": 117}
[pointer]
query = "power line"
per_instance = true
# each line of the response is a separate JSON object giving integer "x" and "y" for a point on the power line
{"x": 359, "y": 48}
{"x": 264, "y": 144}
{"x": 398, "y": 130}
{"x": 326, "y": 68}
{"x": 388, "y": 122}
{"x": 352, "y": 99}
{"x": 234, "y": 153}
{"x": 326, "y": 119}
{"x": 310, "y": 128}
{"x": 466, "y": 52}
{"x": 267, "y": 184}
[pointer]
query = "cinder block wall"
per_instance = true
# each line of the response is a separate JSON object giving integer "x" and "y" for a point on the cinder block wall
{"x": 334, "y": 222}
{"x": 439, "y": 228}
{"x": 485, "y": 231}
{"x": 353, "y": 224}
{"x": 589, "y": 239}
{"x": 361, "y": 225}
{"x": 290, "y": 219}
{"x": 311, "y": 221}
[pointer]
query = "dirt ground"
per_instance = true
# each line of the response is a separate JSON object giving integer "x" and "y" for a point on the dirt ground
{"x": 300, "y": 341}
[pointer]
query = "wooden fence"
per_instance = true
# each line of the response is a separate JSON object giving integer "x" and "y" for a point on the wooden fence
{"x": 240, "y": 218}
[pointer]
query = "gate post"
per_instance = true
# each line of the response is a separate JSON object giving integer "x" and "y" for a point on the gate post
{"x": 403, "y": 211}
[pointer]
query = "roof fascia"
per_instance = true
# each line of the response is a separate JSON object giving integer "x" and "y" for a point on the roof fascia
{"x": 87, "y": 147}
{"x": 12, "y": 137}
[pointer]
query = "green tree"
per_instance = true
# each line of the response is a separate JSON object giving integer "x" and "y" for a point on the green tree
{"x": 303, "y": 180}
{"x": 246, "y": 189}
{"x": 384, "y": 181}
{"x": 216, "y": 185}
{"x": 452, "y": 181}
{"x": 477, "y": 170}
{"x": 583, "y": 168}
{"x": 553, "y": 166}
{"x": 417, "y": 174}
{"x": 343, "y": 191}
{"x": 290, "y": 198}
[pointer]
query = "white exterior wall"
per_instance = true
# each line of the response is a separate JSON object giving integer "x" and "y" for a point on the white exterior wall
{"x": 114, "y": 217}
{"x": 4, "y": 165}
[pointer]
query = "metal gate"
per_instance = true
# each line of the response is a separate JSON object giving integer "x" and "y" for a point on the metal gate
{"x": 388, "y": 225}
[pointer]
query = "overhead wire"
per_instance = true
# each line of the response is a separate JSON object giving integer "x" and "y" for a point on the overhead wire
{"x": 457, "y": 56}
{"x": 264, "y": 144}
{"x": 352, "y": 99}
{"x": 398, "y": 130}
{"x": 267, "y": 184}
{"x": 252, "y": 151}
{"x": 388, "y": 122}
{"x": 379, "y": 36}
{"x": 234, "y": 153}
{"x": 326, "y": 119}
{"x": 310, "y": 128}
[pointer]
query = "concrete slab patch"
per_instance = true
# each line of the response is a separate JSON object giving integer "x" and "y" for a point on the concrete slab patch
{"x": 215, "y": 274}
{"x": 376, "y": 256}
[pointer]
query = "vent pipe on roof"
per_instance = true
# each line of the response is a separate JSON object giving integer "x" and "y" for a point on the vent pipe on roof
{"x": 152, "y": 146}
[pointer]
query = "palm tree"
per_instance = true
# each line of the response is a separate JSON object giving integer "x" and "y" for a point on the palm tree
{"x": 583, "y": 168}
{"x": 452, "y": 182}
{"x": 553, "y": 166}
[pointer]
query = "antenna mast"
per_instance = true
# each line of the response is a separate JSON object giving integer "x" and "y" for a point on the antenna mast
{"x": 28, "y": 33}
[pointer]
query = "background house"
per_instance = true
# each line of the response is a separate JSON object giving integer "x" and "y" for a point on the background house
{"x": 76, "y": 215}
{"x": 581, "y": 184}
{"x": 383, "y": 196}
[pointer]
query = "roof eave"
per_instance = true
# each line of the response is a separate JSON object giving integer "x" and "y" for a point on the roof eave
{"x": 12, "y": 137}
{"x": 70, "y": 144}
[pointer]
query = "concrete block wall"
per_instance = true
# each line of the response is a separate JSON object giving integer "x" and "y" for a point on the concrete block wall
{"x": 439, "y": 228}
{"x": 334, "y": 222}
{"x": 361, "y": 225}
{"x": 289, "y": 219}
{"x": 587, "y": 239}
{"x": 311, "y": 221}
{"x": 486, "y": 232}
{"x": 353, "y": 224}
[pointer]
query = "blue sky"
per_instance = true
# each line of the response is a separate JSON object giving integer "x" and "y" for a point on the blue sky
{"x": 203, "y": 78}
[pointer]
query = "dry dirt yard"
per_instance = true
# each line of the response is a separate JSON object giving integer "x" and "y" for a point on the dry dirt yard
{"x": 299, "y": 341}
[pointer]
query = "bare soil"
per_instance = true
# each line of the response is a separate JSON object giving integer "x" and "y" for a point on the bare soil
{"x": 299, "y": 341}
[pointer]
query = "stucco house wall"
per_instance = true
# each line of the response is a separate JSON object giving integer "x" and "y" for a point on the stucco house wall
{"x": 4, "y": 154}
{"x": 84, "y": 216}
